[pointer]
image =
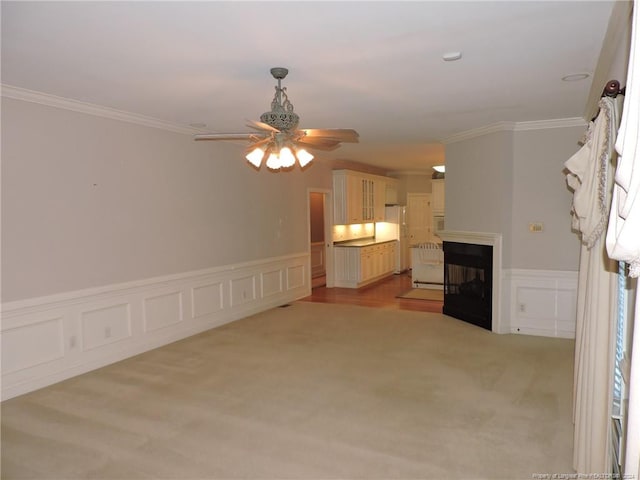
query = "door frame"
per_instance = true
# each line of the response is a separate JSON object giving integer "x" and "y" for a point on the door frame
{"x": 328, "y": 235}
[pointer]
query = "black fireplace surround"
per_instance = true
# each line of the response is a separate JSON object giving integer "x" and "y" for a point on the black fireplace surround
{"x": 468, "y": 280}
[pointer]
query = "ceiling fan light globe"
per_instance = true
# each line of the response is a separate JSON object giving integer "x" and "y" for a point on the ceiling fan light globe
{"x": 255, "y": 157}
{"x": 287, "y": 160}
{"x": 304, "y": 157}
{"x": 273, "y": 162}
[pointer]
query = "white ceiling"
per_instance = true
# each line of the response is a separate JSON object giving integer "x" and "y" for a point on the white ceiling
{"x": 376, "y": 67}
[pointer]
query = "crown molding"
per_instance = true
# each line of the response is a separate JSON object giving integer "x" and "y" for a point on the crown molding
{"x": 555, "y": 123}
{"x": 32, "y": 96}
{"x": 478, "y": 132}
{"x": 428, "y": 172}
{"x": 515, "y": 127}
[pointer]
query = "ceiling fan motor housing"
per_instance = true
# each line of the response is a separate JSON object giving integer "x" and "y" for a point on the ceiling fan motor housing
{"x": 281, "y": 120}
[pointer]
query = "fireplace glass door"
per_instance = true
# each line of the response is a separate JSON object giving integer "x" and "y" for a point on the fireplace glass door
{"x": 468, "y": 282}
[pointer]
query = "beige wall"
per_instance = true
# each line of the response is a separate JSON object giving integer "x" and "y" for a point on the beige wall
{"x": 541, "y": 195}
{"x": 501, "y": 182}
{"x": 414, "y": 183}
{"x": 88, "y": 201}
{"x": 479, "y": 189}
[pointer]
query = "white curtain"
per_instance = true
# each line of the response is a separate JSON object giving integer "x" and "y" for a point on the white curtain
{"x": 590, "y": 176}
{"x": 623, "y": 234}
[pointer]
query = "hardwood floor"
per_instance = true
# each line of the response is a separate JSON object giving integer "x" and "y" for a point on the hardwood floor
{"x": 382, "y": 294}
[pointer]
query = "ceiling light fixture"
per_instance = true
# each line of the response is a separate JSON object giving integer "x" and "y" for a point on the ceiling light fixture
{"x": 575, "y": 77}
{"x": 280, "y": 150}
{"x": 278, "y": 142}
{"x": 452, "y": 56}
{"x": 280, "y": 153}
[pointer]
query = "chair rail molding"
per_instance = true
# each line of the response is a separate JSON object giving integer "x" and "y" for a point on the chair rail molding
{"x": 49, "y": 339}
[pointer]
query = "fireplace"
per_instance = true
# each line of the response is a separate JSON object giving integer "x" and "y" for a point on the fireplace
{"x": 468, "y": 282}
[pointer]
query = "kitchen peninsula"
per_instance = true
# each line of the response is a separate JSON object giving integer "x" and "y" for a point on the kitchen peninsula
{"x": 364, "y": 261}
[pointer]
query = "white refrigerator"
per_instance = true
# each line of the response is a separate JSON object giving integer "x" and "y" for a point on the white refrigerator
{"x": 396, "y": 215}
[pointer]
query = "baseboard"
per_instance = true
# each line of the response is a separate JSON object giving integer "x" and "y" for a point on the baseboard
{"x": 49, "y": 339}
{"x": 540, "y": 302}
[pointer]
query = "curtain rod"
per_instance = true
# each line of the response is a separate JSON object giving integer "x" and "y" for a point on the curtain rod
{"x": 612, "y": 89}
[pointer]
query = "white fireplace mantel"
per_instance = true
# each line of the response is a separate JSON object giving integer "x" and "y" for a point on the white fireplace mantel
{"x": 478, "y": 238}
{"x": 484, "y": 238}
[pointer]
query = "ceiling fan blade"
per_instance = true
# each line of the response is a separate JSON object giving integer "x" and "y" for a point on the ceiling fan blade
{"x": 261, "y": 126}
{"x": 320, "y": 141}
{"x": 327, "y": 145}
{"x": 259, "y": 143}
{"x": 224, "y": 136}
{"x": 342, "y": 134}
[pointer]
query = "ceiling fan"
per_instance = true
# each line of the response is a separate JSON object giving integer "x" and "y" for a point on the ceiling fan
{"x": 278, "y": 138}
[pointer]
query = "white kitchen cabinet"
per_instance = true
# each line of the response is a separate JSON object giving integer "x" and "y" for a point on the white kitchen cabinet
{"x": 366, "y": 264}
{"x": 437, "y": 196}
{"x": 359, "y": 266}
{"x": 368, "y": 197}
{"x": 358, "y": 197}
{"x": 391, "y": 191}
{"x": 371, "y": 262}
{"x": 347, "y": 198}
{"x": 390, "y": 257}
{"x": 379, "y": 198}
{"x": 346, "y": 267}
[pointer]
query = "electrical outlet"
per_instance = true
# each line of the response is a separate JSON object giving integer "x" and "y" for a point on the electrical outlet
{"x": 107, "y": 332}
{"x": 523, "y": 308}
{"x": 72, "y": 341}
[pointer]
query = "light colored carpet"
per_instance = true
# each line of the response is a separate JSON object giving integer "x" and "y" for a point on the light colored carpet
{"x": 424, "y": 294}
{"x": 307, "y": 392}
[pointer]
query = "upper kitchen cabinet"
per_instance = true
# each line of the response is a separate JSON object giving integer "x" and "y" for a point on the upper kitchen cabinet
{"x": 391, "y": 191}
{"x": 437, "y": 196}
{"x": 358, "y": 197}
{"x": 347, "y": 198}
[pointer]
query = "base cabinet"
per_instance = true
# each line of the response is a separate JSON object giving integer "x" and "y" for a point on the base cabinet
{"x": 359, "y": 266}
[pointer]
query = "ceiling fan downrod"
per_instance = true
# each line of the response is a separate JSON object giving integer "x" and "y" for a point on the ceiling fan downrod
{"x": 281, "y": 115}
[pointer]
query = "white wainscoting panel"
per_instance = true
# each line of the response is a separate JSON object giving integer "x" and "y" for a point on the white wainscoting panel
{"x": 243, "y": 290}
{"x": 207, "y": 299}
{"x": 105, "y": 325}
{"x": 272, "y": 283}
{"x": 48, "y": 339}
{"x": 542, "y": 302}
{"x": 318, "y": 267}
{"x": 162, "y": 310}
{"x": 296, "y": 277}
{"x": 31, "y": 345}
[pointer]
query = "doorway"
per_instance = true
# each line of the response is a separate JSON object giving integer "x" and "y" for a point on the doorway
{"x": 320, "y": 238}
{"x": 419, "y": 217}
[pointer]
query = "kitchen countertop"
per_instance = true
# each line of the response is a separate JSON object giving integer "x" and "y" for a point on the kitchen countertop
{"x": 364, "y": 242}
